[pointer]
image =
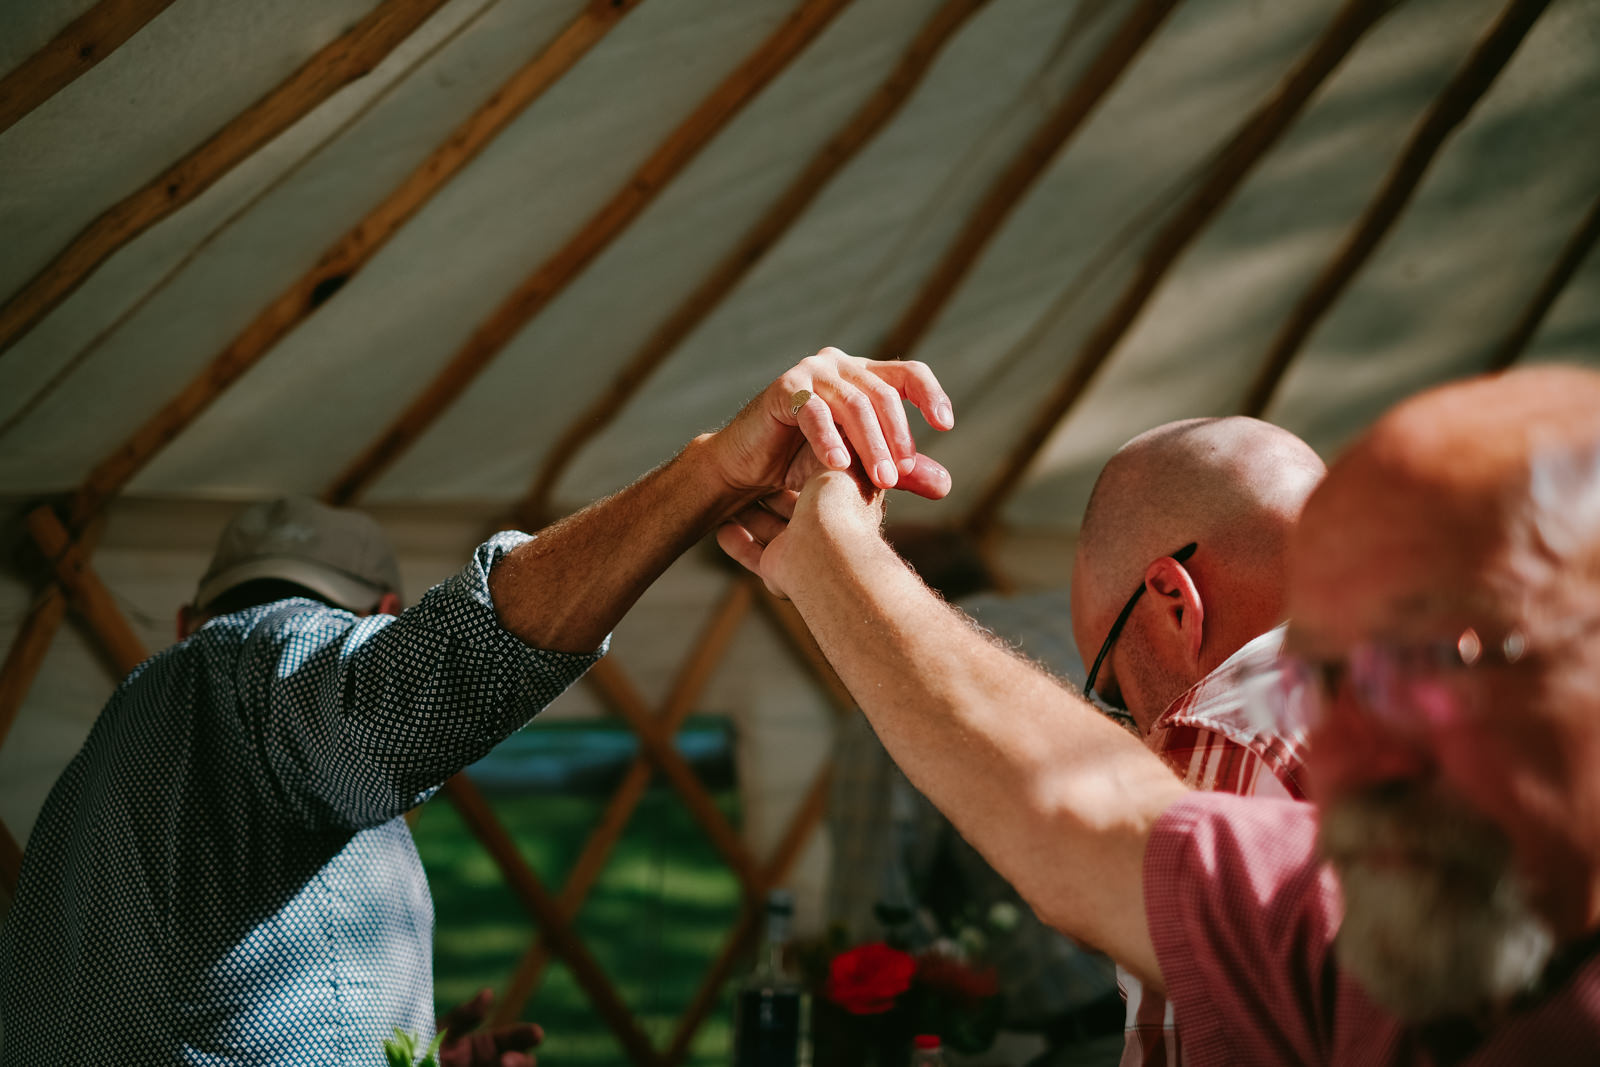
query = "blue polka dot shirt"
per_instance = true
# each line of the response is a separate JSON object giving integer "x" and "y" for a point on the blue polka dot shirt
{"x": 220, "y": 876}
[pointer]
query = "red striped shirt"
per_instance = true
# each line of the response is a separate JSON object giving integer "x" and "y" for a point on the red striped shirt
{"x": 1216, "y": 738}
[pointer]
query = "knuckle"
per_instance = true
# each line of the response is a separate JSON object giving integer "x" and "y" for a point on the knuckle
{"x": 860, "y": 405}
{"x": 885, "y": 396}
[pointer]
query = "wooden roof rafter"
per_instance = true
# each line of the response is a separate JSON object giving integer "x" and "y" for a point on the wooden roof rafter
{"x": 80, "y": 45}
{"x": 351, "y": 55}
{"x": 1578, "y": 246}
{"x": 180, "y": 267}
{"x": 1448, "y": 110}
{"x": 885, "y": 102}
{"x": 349, "y": 253}
{"x": 1010, "y": 188}
{"x": 1238, "y": 158}
{"x": 536, "y": 291}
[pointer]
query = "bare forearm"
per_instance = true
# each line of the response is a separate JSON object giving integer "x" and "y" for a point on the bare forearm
{"x": 566, "y": 589}
{"x": 1059, "y": 799}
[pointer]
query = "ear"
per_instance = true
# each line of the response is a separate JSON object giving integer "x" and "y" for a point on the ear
{"x": 389, "y": 604}
{"x": 1172, "y": 588}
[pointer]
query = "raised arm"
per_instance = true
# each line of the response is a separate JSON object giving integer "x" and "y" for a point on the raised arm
{"x": 566, "y": 590}
{"x": 1057, "y": 798}
{"x": 358, "y": 723}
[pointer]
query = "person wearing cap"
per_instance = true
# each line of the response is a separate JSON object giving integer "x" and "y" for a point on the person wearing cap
{"x": 221, "y": 875}
{"x": 1439, "y": 900}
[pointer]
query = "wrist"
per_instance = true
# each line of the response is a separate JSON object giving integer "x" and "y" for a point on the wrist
{"x": 834, "y": 525}
{"x": 701, "y": 465}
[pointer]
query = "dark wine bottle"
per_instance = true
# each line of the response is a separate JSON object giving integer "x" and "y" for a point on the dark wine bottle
{"x": 772, "y": 1015}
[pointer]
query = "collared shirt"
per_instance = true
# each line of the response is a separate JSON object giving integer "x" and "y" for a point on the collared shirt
{"x": 1216, "y": 737}
{"x": 1243, "y": 918}
{"x": 220, "y": 876}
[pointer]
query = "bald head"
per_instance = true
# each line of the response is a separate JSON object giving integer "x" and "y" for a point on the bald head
{"x": 1235, "y": 487}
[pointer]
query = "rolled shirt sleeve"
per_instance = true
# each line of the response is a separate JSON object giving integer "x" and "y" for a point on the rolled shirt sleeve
{"x": 359, "y": 720}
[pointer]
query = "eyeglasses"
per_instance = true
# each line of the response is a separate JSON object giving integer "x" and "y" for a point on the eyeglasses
{"x": 1405, "y": 687}
{"x": 1180, "y": 556}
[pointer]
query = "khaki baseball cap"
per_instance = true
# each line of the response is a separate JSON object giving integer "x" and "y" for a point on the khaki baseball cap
{"x": 335, "y": 552}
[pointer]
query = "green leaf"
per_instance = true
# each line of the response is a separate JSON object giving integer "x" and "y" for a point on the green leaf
{"x": 401, "y": 1051}
{"x": 429, "y": 1059}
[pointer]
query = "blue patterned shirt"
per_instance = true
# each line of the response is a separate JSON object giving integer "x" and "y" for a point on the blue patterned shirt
{"x": 220, "y": 875}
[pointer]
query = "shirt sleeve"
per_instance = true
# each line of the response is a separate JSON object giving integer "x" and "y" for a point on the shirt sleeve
{"x": 1243, "y": 916}
{"x": 359, "y": 720}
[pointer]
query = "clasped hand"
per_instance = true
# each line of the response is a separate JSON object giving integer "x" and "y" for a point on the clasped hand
{"x": 837, "y": 481}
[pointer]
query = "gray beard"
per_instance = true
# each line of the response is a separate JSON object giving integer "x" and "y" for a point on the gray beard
{"x": 1448, "y": 930}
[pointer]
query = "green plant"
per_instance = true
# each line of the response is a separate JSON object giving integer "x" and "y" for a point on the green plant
{"x": 401, "y": 1050}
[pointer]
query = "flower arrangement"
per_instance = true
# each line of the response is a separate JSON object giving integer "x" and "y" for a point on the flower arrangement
{"x": 877, "y": 995}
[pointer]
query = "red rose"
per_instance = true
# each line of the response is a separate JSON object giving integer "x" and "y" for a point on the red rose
{"x": 866, "y": 979}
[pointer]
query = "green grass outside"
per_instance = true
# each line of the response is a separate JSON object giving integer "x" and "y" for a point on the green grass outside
{"x": 655, "y": 920}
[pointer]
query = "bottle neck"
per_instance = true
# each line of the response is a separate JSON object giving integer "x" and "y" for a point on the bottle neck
{"x": 770, "y": 961}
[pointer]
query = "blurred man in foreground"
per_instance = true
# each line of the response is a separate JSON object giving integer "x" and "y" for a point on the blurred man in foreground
{"x": 1195, "y": 518}
{"x": 1441, "y": 903}
{"x": 221, "y": 874}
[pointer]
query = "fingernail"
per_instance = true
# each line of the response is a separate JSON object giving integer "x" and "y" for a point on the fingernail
{"x": 838, "y": 458}
{"x": 887, "y": 475}
{"x": 944, "y": 414}
{"x": 908, "y": 464}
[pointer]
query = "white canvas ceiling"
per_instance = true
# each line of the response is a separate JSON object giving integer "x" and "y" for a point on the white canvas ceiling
{"x": 1491, "y": 216}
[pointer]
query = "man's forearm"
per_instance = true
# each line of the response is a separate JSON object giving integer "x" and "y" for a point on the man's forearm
{"x": 566, "y": 589}
{"x": 1059, "y": 799}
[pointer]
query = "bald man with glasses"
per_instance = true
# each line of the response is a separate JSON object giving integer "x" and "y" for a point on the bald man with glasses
{"x": 1192, "y": 517}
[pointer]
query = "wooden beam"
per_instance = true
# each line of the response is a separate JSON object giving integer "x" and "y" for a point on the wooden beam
{"x": 885, "y": 102}
{"x": 544, "y": 910}
{"x": 86, "y": 592}
{"x": 1011, "y": 187}
{"x": 550, "y": 278}
{"x": 692, "y": 678}
{"x": 352, "y": 251}
{"x": 1447, "y": 111}
{"x": 801, "y": 824}
{"x": 87, "y": 40}
{"x": 10, "y": 862}
{"x": 625, "y": 700}
{"x": 1510, "y": 349}
{"x": 355, "y": 53}
{"x": 1243, "y": 151}
{"x": 28, "y": 649}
